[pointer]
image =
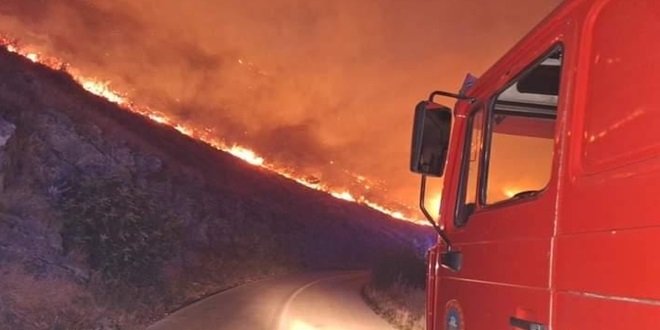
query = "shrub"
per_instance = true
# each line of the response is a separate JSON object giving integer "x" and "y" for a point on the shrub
{"x": 123, "y": 232}
{"x": 397, "y": 288}
{"x": 401, "y": 267}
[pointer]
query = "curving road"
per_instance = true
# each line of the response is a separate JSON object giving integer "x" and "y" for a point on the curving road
{"x": 310, "y": 301}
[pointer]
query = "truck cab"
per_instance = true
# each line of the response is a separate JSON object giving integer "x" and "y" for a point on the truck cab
{"x": 550, "y": 215}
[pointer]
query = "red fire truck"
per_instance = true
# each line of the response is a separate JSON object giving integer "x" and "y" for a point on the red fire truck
{"x": 551, "y": 166}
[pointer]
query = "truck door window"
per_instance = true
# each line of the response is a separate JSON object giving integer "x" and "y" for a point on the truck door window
{"x": 521, "y": 130}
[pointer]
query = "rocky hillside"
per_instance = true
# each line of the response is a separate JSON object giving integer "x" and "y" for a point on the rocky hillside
{"x": 109, "y": 221}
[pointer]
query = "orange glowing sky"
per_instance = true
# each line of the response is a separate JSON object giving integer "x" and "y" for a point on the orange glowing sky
{"x": 325, "y": 88}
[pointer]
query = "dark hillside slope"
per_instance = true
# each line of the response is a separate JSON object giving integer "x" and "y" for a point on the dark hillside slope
{"x": 108, "y": 220}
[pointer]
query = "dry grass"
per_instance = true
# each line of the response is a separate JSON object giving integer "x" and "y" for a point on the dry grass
{"x": 401, "y": 305}
{"x": 27, "y": 302}
{"x": 397, "y": 290}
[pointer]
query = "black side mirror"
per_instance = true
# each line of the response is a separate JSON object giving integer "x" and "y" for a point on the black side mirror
{"x": 430, "y": 138}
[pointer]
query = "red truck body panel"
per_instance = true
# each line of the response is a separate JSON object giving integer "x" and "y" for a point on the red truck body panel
{"x": 583, "y": 253}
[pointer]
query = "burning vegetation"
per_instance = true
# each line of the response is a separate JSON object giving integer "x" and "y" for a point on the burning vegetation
{"x": 361, "y": 185}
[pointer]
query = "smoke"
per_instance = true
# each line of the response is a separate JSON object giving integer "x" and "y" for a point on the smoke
{"x": 327, "y": 87}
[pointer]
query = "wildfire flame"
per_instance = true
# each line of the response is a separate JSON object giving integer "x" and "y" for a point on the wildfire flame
{"x": 246, "y": 155}
{"x": 102, "y": 89}
{"x": 345, "y": 195}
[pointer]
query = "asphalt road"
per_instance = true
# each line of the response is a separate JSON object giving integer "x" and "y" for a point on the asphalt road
{"x": 310, "y": 301}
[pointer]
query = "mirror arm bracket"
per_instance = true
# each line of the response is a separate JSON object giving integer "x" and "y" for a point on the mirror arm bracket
{"x": 452, "y": 95}
{"x": 422, "y": 200}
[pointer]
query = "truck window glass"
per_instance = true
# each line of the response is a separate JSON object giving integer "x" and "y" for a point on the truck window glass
{"x": 521, "y": 133}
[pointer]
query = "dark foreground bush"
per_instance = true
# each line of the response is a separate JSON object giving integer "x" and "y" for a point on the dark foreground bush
{"x": 401, "y": 267}
{"x": 397, "y": 289}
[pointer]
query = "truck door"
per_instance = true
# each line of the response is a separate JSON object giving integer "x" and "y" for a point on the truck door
{"x": 504, "y": 217}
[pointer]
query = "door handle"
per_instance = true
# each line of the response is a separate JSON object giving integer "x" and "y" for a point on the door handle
{"x": 525, "y": 324}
